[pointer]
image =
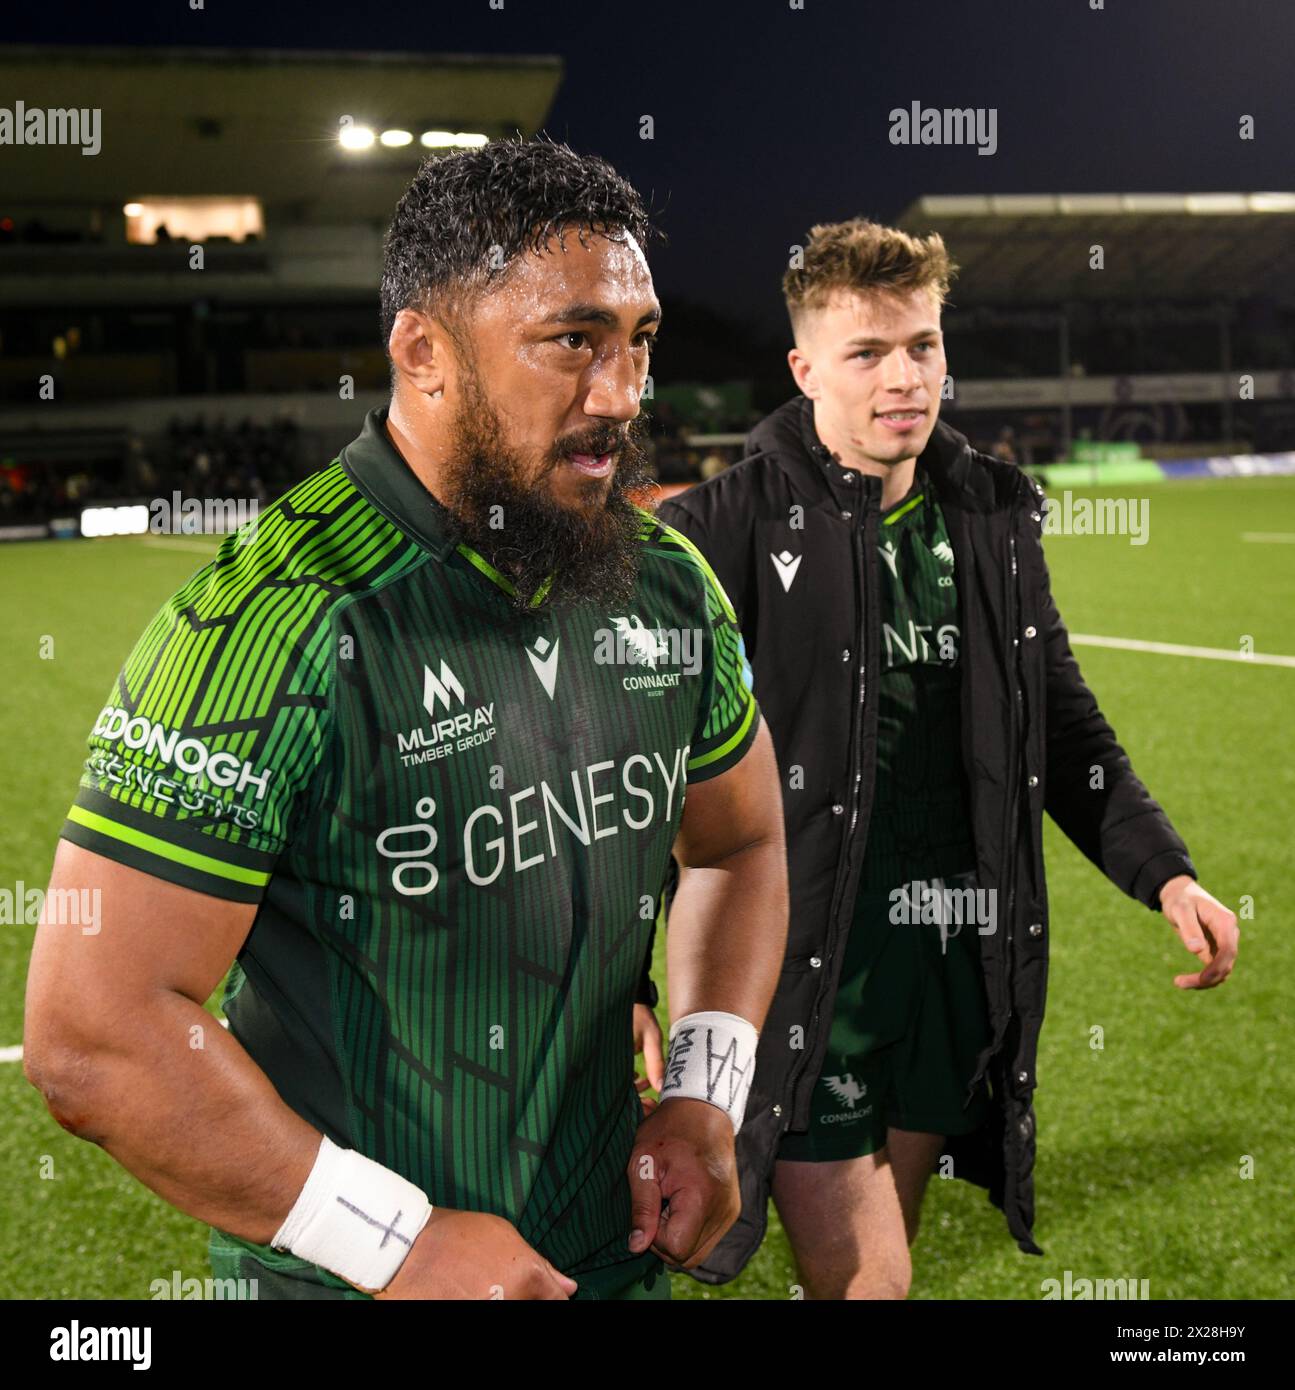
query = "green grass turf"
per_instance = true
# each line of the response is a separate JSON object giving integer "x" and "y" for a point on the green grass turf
{"x": 1141, "y": 1144}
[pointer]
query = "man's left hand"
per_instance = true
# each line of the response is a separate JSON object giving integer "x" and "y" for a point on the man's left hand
{"x": 1207, "y": 928}
{"x": 648, "y": 1044}
{"x": 683, "y": 1182}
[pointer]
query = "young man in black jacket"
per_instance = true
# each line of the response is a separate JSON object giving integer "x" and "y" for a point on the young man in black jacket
{"x": 926, "y": 710}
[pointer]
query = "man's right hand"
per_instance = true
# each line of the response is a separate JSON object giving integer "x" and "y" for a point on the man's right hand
{"x": 471, "y": 1254}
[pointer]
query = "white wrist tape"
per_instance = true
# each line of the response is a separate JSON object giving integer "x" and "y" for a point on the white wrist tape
{"x": 354, "y": 1217}
{"x": 712, "y": 1058}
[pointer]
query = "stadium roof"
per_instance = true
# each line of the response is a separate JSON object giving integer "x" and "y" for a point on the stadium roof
{"x": 264, "y": 124}
{"x": 1035, "y": 248}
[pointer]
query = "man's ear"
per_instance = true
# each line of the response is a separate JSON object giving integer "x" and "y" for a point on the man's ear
{"x": 802, "y": 371}
{"x": 420, "y": 351}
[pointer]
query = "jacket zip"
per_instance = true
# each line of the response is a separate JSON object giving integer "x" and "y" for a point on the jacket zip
{"x": 869, "y": 542}
{"x": 1007, "y": 873}
{"x": 869, "y": 599}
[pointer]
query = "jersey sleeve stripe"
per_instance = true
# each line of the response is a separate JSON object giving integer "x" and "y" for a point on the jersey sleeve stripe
{"x": 729, "y": 744}
{"x": 198, "y": 835}
{"x": 163, "y": 849}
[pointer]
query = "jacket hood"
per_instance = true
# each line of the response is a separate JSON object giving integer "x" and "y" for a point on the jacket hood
{"x": 981, "y": 482}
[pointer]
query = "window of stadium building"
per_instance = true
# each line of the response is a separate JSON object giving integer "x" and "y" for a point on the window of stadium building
{"x": 153, "y": 220}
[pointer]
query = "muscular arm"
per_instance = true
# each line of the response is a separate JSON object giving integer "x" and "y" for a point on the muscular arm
{"x": 726, "y": 940}
{"x": 728, "y": 923}
{"x": 117, "y": 1040}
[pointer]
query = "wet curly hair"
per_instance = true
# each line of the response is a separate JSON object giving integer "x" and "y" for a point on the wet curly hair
{"x": 466, "y": 218}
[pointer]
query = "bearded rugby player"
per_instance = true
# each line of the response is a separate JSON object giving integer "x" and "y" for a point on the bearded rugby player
{"x": 375, "y": 764}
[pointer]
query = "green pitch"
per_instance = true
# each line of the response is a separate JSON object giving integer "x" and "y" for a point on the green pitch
{"x": 1142, "y": 1143}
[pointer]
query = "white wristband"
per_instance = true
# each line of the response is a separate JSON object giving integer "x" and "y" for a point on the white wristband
{"x": 712, "y": 1058}
{"x": 354, "y": 1217}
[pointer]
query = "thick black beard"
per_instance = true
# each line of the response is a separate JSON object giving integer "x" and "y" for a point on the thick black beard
{"x": 592, "y": 551}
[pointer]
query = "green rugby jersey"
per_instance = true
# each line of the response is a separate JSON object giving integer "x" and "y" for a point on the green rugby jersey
{"x": 920, "y": 826}
{"x": 456, "y": 820}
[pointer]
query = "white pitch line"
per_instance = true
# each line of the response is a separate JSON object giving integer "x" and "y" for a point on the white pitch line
{"x": 1276, "y": 537}
{"x": 1131, "y": 644}
{"x": 1079, "y": 639}
{"x": 200, "y": 547}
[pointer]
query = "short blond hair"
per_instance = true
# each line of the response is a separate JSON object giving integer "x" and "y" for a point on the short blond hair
{"x": 859, "y": 256}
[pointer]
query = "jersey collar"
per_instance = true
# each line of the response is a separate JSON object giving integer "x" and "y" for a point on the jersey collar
{"x": 915, "y": 494}
{"x": 379, "y": 471}
{"x": 375, "y": 466}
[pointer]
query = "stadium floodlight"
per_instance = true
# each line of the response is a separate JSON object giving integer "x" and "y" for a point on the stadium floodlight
{"x": 355, "y": 137}
{"x": 115, "y": 521}
{"x": 395, "y": 138}
{"x": 133, "y": 209}
{"x": 452, "y": 139}
{"x": 1216, "y": 204}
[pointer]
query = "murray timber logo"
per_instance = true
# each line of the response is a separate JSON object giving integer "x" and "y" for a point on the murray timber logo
{"x": 846, "y": 1089}
{"x": 948, "y": 125}
{"x": 52, "y": 125}
{"x": 942, "y": 550}
{"x": 631, "y": 642}
{"x": 460, "y": 728}
{"x": 786, "y": 564}
{"x": 436, "y": 693}
{"x": 544, "y": 662}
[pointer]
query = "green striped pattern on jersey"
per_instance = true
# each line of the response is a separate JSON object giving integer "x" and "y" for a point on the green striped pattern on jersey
{"x": 455, "y": 819}
{"x": 733, "y": 711}
{"x": 229, "y": 680}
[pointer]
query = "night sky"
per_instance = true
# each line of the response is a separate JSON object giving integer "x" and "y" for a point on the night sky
{"x": 770, "y": 118}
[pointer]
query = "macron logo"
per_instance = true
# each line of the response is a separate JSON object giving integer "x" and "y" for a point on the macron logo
{"x": 437, "y": 692}
{"x": 786, "y": 564}
{"x": 545, "y": 662}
